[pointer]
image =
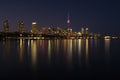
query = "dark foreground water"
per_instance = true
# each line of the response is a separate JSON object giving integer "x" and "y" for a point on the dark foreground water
{"x": 60, "y": 59}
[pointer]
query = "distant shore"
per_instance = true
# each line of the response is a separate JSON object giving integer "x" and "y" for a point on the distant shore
{"x": 16, "y": 35}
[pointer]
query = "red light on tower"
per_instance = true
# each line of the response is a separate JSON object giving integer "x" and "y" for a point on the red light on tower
{"x": 68, "y": 20}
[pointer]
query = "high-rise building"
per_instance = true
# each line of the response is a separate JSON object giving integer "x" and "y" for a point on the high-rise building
{"x": 34, "y": 28}
{"x": 21, "y": 26}
{"x": 82, "y": 31}
{"x": 6, "y": 26}
{"x": 86, "y": 31}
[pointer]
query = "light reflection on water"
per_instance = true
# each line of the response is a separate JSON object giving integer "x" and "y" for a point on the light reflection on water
{"x": 107, "y": 50}
{"x": 28, "y": 48}
{"x": 107, "y": 46}
{"x": 6, "y": 50}
{"x": 79, "y": 51}
{"x": 87, "y": 55}
{"x": 79, "y": 47}
{"x": 34, "y": 52}
{"x": 21, "y": 50}
{"x": 67, "y": 51}
{"x": 49, "y": 51}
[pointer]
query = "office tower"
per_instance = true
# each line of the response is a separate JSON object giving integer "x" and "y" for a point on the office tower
{"x": 86, "y": 31}
{"x": 21, "y": 26}
{"x": 70, "y": 30}
{"x": 82, "y": 31}
{"x": 34, "y": 28}
{"x": 6, "y": 26}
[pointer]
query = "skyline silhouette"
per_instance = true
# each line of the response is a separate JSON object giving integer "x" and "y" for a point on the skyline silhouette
{"x": 100, "y": 16}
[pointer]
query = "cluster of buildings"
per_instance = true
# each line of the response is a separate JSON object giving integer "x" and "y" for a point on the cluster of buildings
{"x": 47, "y": 31}
{"x": 20, "y": 26}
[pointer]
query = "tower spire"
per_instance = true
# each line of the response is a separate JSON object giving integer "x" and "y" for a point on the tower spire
{"x": 68, "y": 20}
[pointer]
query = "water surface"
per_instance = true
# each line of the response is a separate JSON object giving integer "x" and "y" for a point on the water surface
{"x": 60, "y": 59}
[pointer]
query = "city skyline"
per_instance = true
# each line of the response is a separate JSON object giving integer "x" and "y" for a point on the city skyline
{"x": 100, "y": 16}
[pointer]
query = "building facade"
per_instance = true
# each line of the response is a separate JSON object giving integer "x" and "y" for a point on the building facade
{"x": 21, "y": 26}
{"x": 6, "y": 26}
{"x": 34, "y": 29}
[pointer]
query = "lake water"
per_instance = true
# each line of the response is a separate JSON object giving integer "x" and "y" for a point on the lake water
{"x": 60, "y": 59}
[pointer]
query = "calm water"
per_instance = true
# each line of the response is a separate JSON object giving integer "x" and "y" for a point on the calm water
{"x": 60, "y": 59}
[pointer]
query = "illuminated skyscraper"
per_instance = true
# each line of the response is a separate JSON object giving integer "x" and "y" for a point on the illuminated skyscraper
{"x": 86, "y": 31}
{"x": 21, "y": 26}
{"x": 6, "y": 26}
{"x": 34, "y": 28}
{"x": 82, "y": 31}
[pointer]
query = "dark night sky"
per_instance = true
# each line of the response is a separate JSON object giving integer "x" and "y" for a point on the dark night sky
{"x": 101, "y": 16}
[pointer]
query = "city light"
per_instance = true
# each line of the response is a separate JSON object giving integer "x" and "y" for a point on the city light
{"x": 107, "y": 37}
{"x": 34, "y": 23}
{"x": 49, "y": 32}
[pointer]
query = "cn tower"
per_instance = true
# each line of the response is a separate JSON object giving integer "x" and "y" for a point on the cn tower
{"x": 68, "y": 20}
